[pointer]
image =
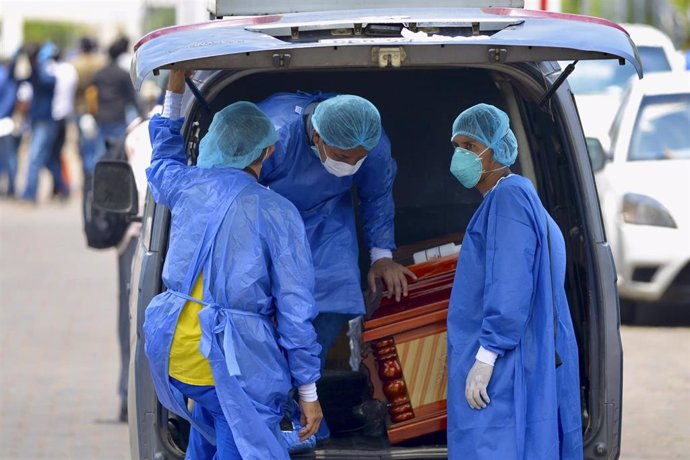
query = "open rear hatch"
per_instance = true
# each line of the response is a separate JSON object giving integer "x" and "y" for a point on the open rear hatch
{"x": 382, "y": 38}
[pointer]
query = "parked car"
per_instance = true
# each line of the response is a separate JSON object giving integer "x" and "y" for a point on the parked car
{"x": 420, "y": 67}
{"x": 645, "y": 187}
{"x": 598, "y": 85}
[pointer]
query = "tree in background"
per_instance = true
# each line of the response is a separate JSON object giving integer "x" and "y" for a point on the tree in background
{"x": 64, "y": 34}
{"x": 671, "y": 16}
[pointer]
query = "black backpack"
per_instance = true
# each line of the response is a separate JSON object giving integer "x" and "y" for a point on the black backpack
{"x": 104, "y": 229}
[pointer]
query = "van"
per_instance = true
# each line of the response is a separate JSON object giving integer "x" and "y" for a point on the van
{"x": 421, "y": 67}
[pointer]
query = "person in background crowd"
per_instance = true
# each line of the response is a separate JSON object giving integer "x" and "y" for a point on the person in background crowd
{"x": 66, "y": 79}
{"x": 125, "y": 63}
{"x": 43, "y": 127}
{"x": 108, "y": 97}
{"x": 15, "y": 99}
{"x": 8, "y": 98}
{"x": 125, "y": 58}
{"x": 87, "y": 63}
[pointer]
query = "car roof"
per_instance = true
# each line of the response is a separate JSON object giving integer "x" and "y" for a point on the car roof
{"x": 646, "y": 35}
{"x": 650, "y": 37}
{"x": 663, "y": 83}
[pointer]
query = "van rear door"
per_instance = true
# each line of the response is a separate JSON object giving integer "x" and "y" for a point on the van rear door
{"x": 411, "y": 37}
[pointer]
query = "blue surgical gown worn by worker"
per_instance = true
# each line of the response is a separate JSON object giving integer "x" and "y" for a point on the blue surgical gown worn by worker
{"x": 257, "y": 289}
{"x": 325, "y": 202}
{"x": 502, "y": 300}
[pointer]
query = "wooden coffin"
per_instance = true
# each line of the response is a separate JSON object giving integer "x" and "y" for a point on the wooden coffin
{"x": 407, "y": 353}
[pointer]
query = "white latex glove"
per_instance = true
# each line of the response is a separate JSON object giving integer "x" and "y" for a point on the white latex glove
{"x": 475, "y": 387}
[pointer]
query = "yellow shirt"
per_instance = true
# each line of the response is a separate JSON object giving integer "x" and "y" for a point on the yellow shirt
{"x": 187, "y": 364}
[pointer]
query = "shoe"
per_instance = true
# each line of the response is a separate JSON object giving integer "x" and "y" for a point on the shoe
{"x": 27, "y": 202}
{"x": 61, "y": 197}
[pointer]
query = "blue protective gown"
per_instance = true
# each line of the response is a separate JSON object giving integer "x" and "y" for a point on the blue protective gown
{"x": 325, "y": 203}
{"x": 502, "y": 300}
{"x": 258, "y": 283}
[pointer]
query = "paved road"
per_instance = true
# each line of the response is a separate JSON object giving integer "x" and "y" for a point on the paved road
{"x": 59, "y": 359}
{"x": 656, "y": 393}
{"x": 58, "y": 339}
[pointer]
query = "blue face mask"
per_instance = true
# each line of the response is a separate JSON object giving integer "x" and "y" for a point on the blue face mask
{"x": 466, "y": 166}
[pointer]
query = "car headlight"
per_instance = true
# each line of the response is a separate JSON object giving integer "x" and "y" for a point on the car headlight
{"x": 644, "y": 210}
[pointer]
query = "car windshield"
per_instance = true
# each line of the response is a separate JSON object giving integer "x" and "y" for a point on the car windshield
{"x": 608, "y": 76}
{"x": 661, "y": 129}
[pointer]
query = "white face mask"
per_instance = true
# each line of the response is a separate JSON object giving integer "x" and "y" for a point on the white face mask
{"x": 338, "y": 168}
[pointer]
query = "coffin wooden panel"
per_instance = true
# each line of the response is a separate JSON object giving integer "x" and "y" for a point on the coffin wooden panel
{"x": 408, "y": 345}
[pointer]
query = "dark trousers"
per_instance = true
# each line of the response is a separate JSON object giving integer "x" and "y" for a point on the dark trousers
{"x": 207, "y": 407}
{"x": 60, "y": 187}
{"x": 8, "y": 160}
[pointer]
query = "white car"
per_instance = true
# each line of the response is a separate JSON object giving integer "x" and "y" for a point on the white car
{"x": 645, "y": 190}
{"x": 598, "y": 85}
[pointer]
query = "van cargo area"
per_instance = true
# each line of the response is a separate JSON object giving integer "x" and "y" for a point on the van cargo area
{"x": 417, "y": 107}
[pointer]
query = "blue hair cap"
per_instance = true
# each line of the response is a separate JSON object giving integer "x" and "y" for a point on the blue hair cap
{"x": 237, "y": 136}
{"x": 490, "y": 126}
{"x": 348, "y": 122}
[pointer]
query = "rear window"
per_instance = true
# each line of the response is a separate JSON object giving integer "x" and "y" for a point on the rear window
{"x": 661, "y": 129}
{"x": 605, "y": 76}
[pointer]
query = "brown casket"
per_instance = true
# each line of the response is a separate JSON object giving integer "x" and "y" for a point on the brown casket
{"x": 407, "y": 354}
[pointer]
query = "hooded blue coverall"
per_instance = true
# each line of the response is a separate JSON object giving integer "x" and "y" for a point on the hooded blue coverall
{"x": 503, "y": 297}
{"x": 324, "y": 202}
{"x": 250, "y": 244}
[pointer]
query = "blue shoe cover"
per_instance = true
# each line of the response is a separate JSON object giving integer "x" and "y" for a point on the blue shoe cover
{"x": 323, "y": 432}
{"x": 296, "y": 446}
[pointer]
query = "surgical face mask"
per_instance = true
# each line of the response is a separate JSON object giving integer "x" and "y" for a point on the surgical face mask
{"x": 466, "y": 166}
{"x": 337, "y": 168}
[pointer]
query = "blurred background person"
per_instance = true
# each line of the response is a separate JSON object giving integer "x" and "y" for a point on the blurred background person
{"x": 124, "y": 60}
{"x": 8, "y": 97}
{"x": 66, "y": 79}
{"x": 43, "y": 127}
{"x": 87, "y": 63}
{"x": 15, "y": 97}
{"x": 108, "y": 97}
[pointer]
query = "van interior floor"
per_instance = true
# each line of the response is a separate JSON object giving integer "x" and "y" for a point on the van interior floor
{"x": 358, "y": 423}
